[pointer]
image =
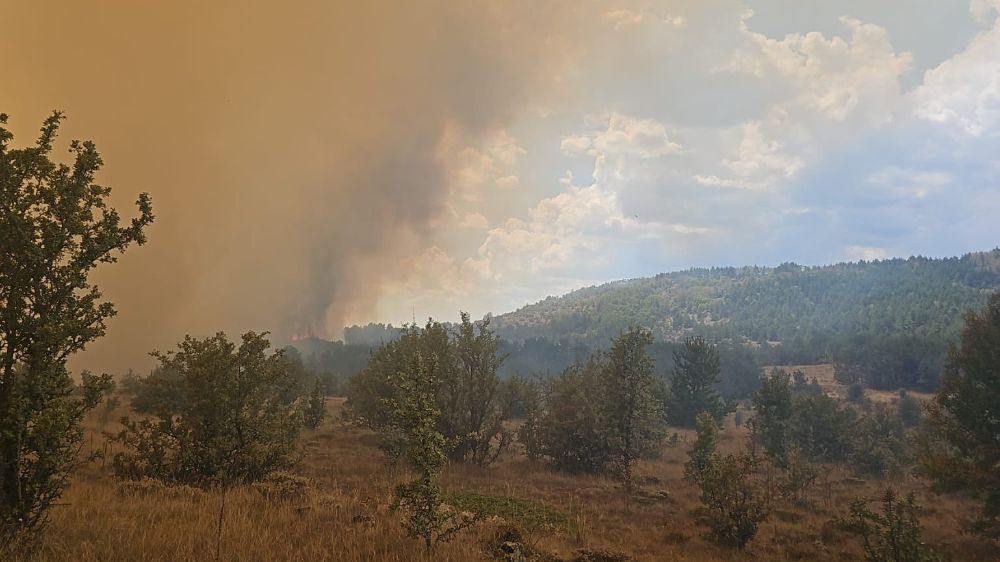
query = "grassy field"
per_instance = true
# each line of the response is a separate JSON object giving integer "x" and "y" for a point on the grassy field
{"x": 824, "y": 375}
{"x": 346, "y": 515}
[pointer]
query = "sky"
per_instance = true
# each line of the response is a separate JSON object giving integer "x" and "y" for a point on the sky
{"x": 315, "y": 164}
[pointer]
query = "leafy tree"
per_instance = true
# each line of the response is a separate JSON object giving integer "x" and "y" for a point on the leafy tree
{"x": 411, "y": 413}
{"x": 236, "y": 423}
{"x": 821, "y": 429}
{"x": 798, "y": 475}
{"x": 374, "y": 387}
{"x": 479, "y": 402}
{"x": 56, "y": 227}
{"x": 529, "y": 394}
{"x": 472, "y": 401}
{"x": 702, "y": 454}
{"x": 880, "y": 445}
{"x": 161, "y": 391}
{"x": 632, "y": 411}
{"x": 692, "y": 388}
{"x": 959, "y": 447}
{"x": 315, "y": 409}
{"x": 893, "y": 535}
{"x": 772, "y": 404}
{"x": 571, "y": 429}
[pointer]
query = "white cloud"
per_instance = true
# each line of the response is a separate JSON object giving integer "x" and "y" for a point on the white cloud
{"x": 867, "y": 253}
{"x": 576, "y": 229}
{"x": 964, "y": 91}
{"x": 507, "y": 182}
{"x": 983, "y": 10}
{"x": 474, "y": 221}
{"x": 835, "y": 77}
{"x": 827, "y": 88}
{"x": 624, "y": 135}
{"x": 916, "y": 184}
{"x": 759, "y": 161}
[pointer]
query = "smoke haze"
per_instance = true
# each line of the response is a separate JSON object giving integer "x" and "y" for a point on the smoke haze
{"x": 291, "y": 149}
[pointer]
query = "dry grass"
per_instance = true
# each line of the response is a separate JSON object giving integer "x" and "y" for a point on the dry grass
{"x": 345, "y": 517}
{"x": 823, "y": 373}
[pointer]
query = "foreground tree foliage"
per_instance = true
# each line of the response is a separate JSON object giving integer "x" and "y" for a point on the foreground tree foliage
{"x": 472, "y": 401}
{"x": 236, "y": 422}
{"x": 315, "y": 408}
{"x": 601, "y": 414}
{"x": 693, "y": 386}
{"x": 55, "y": 228}
{"x": 630, "y": 407}
{"x": 894, "y": 534}
{"x": 772, "y": 405}
{"x": 735, "y": 499}
{"x": 960, "y": 443}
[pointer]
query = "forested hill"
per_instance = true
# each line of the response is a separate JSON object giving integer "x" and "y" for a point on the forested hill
{"x": 806, "y": 314}
{"x": 887, "y": 323}
{"x": 918, "y": 296}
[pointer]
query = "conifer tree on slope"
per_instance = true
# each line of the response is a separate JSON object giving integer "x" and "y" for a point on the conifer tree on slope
{"x": 692, "y": 389}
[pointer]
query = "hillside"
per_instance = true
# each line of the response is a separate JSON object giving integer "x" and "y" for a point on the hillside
{"x": 916, "y": 296}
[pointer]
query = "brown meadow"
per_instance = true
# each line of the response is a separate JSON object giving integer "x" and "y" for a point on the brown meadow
{"x": 346, "y": 515}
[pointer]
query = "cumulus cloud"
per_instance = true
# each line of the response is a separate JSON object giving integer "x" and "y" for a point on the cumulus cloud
{"x": 837, "y": 76}
{"x": 624, "y": 135}
{"x": 964, "y": 91}
{"x": 901, "y": 182}
{"x": 474, "y": 221}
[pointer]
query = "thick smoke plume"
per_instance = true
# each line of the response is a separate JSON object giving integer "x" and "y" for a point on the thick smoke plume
{"x": 291, "y": 148}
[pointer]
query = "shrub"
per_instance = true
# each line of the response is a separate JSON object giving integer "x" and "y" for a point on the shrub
{"x": 910, "y": 409}
{"x": 571, "y": 433}
{"x": 855, "y": 392}
{"x": 235, "y": 423}
{"x": 798, "y": 475}
{"x": 284, "y": 487}
{"x": 772, "y": 405}
{"x": 736, "y": 503}
{"x": 529, "y": 515}
{"x": 315, "y": 408}
{"x": 702, "y": 454}
{"x": 893, "y": 535}
{"x": 821, "y": 428}
{"x": 471, "y": 401}
{"x": 880, "y": 446}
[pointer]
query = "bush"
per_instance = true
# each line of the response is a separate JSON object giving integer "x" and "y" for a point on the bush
{"x": 233, "y": 423}
{"x": 772, "y": 404}
{"x": 736, "y": 503}
{"x": 528, "y": 515}
{"x": 570, "y": 431}
{"x": 880, "y": 446}
{"x": 893, "y": 535}
{"x": 910, "y": 409}
{"x": 283, "y": 486}
{"x": 702, "y": 454}
{"x": 855, "y": 392}
{"x": 472, "y": 401}
{"x": 821, "y": 428}
{"x": 315, "y": 407}
{"x": 798, "y": 475}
